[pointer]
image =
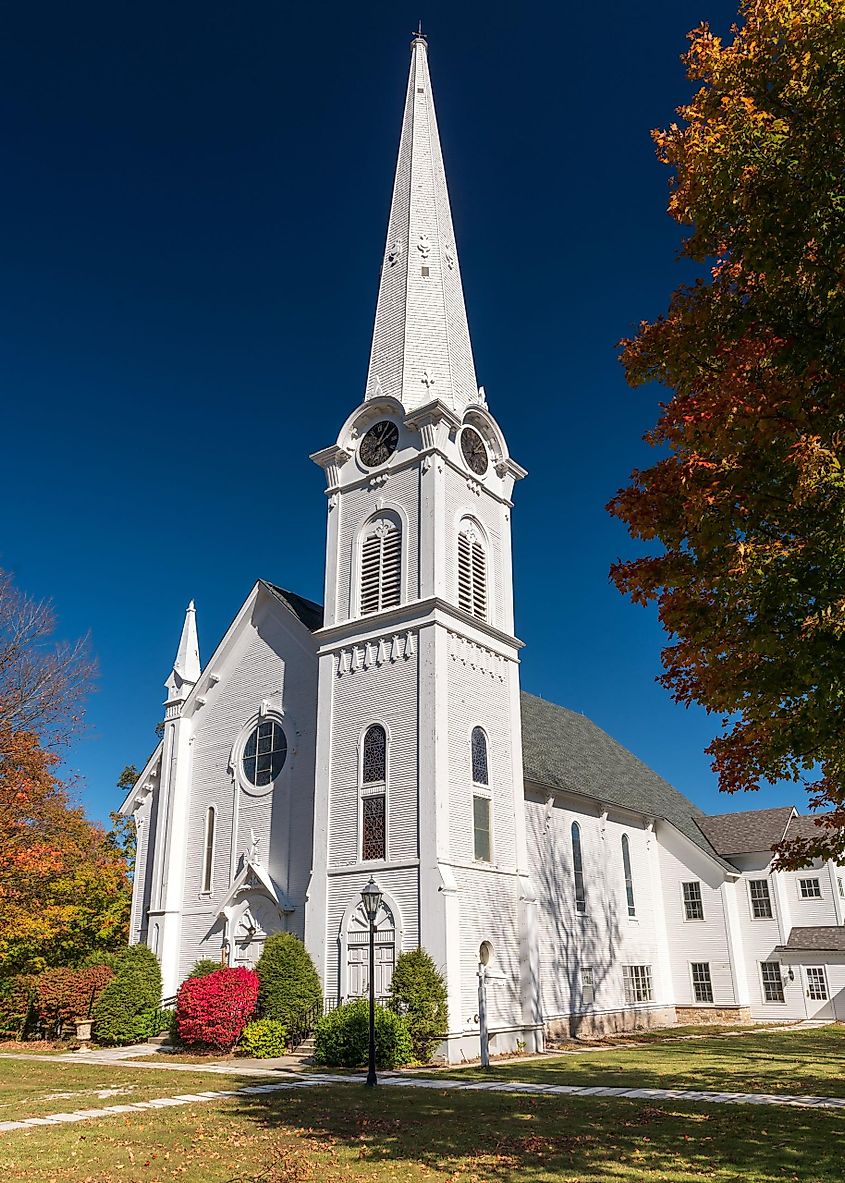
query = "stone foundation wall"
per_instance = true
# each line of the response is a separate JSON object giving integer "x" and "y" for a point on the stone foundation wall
{"x": 700, "y": 1015}
{"x": 590, "y": 1026}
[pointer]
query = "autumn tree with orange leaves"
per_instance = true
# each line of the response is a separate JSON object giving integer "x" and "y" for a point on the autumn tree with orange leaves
{"x": 64, "y": 884}
{"x": 744, "y": 510}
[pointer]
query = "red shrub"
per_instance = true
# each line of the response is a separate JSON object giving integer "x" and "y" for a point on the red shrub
{"x": 212, "y": 1011}
{"x": 62, "y": 995}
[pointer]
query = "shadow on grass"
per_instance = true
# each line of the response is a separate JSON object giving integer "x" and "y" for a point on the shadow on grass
{"x": 809, "y": 1063}
{"x": 343, "y": 1131}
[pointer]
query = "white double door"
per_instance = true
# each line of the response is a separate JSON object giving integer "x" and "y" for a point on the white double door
{"x": 358, "y": 970}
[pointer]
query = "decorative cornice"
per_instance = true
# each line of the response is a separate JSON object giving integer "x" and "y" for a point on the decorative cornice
{"x": 477, "y": 657}
{"x": 331, "y": 460}
{"x": 414, "y": 614}
{"x": 374, "y": 653}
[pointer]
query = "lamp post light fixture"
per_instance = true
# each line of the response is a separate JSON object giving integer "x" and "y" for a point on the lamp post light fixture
{"x": 371, "y": 897}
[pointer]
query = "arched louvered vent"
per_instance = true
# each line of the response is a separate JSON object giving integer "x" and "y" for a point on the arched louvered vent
{"x": 381, "y": 565}
{"x": 472, "y": 571}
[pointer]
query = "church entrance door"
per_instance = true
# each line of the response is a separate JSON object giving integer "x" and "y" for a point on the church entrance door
{"x": 358, "y": 953}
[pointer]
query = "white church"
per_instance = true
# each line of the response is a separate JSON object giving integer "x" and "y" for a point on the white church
{"x": 384, "y": 734}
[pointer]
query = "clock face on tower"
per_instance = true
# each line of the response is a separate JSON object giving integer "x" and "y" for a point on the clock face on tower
{"x": 474, "y": 451}
{"x": 379, "y": 444}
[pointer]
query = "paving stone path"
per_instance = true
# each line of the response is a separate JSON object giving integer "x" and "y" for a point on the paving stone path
{"x": 314, "y": 1080}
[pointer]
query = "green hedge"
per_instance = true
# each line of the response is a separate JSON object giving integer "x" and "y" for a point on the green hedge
{"x": 204, "y": 967}
{"x": 289, "y": 983}
{"x": 342, "y": 1037}
{"x": 418, "y": 992}
{"x": 264, "y": 1039}
{"x": 119, "y": 1016}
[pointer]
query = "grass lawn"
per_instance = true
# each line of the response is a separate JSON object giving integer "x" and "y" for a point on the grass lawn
{"x": 808, "y": 1062}
{"x": 37, "y": 1088}
{"x": 350, "y": 1134}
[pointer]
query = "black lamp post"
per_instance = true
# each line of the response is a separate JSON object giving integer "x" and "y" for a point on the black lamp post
{"x": 371, "y": 896}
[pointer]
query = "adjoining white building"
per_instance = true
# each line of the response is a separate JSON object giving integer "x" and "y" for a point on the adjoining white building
{"x": 385, "y": 734}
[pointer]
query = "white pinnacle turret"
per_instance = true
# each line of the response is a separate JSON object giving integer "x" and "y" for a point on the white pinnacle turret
{"x": 186, "y": 667}
{"x": 421, "y": 348}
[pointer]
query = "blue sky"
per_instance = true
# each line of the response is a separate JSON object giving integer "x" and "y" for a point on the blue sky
{"x": 194, "y": 208}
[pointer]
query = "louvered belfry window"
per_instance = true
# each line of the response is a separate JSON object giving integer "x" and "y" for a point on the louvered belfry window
{"x": 381, "y": 565}
{"x": 472, "y": 572}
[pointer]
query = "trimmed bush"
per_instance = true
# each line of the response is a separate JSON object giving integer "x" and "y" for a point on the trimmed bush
{"x": 135, "y": 988}
{"x": 289, "y": 981}
{"x": 204, "y": 967}
{"x": 418, "y": 992}
{"x": 264, "y": 1039}
{"x": 212, "y": 1011}
{"x": 342, "y": 1037}
{"x": 62, "y": 995}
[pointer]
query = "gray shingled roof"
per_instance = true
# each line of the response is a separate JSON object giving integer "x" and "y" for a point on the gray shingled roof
{"x": 819, "y": 939}
{"x": 564, "y": 750}
{"x": 306, "y": 611}
{"x": 746, "y": 832}
{"x": 804, "y": 826}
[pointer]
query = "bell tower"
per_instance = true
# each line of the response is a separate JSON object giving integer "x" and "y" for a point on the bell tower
{"x": 419, "y": 756}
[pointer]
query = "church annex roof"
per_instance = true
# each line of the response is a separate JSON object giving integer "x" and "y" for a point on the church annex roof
{"x": 746, "y": 832}
{"x": 817, "y": 939}
{"x": 306, "y": 611}
{"x": 565, "y": 750}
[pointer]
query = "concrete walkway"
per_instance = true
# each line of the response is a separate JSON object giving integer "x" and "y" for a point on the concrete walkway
{"x": 443, "y": 1083}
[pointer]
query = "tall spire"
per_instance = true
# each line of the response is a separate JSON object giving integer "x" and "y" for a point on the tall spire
{"x": 186, "y": 667}
{"x": 421, "y": 348}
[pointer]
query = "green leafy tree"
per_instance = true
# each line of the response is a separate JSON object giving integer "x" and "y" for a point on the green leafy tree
{"x": 289, "y": 982}
{"x": 418, "y": 991}
{"x": 743, "y": 511}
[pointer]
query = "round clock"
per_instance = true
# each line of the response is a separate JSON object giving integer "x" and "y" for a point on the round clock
{"x": 379, "y": 444}
{"x": 474, "y": 451}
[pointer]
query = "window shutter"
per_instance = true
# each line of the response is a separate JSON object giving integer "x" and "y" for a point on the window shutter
{"x": 472, "y": 573}
{"x": 381, "y": 567}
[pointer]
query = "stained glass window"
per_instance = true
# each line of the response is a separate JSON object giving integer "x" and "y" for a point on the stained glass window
{"x": 373, "y": 838}
{"x": 479, "y": 757}
{"x": 265, "y": 753}
{"x": 374, "y": 770}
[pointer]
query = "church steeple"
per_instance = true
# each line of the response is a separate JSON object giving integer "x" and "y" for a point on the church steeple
{"x": 186, "y": 668}
{"x": 421, "y": 348}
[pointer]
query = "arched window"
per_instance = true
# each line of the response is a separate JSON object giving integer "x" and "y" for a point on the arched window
{"x": 629, "y": 880}
{"x": 478, "y": 743}
{"x": 374, "y": 793}
{"x": 578, "y": 869}
{"x": 208, "y": 849}
{"x": 472, "y": 571}
{"x": 481, "y": 800}
{"x": 381, "y": 564}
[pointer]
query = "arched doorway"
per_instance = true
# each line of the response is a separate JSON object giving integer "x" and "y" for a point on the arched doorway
{"x": 357, "y": 952}
{"x": 258, "y": 918}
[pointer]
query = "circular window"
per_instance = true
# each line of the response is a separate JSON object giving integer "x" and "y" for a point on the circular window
{"x": 265, "y": 753}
